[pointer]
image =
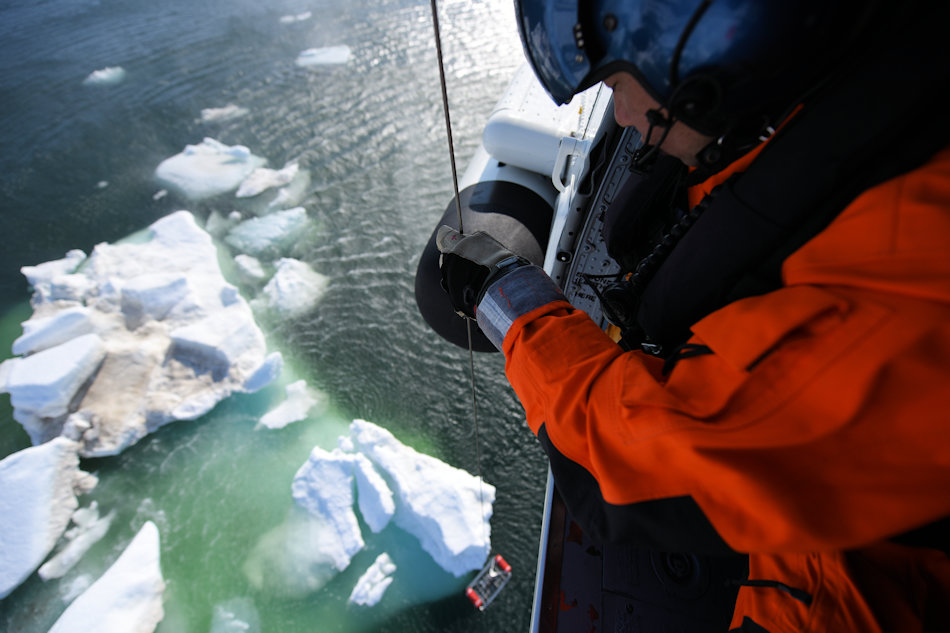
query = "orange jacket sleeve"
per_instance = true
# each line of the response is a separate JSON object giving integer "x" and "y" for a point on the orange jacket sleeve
{"x": 820, "y": 420}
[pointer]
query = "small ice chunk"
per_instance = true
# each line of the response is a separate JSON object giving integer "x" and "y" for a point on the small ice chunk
{"x": 294, "y": 289}
{"x": 250, "y": 268}
{"x": 158, "y": 195}
{"x": 326, "y": 56}
{"x": 108, "y": 76}
{"x": 89, "y": 530}
{"x": 102, "y": 184}
{"x": 225, "y": 113}
{"x": 44, "y": 384}
{"x": 45, "y": 332}
{"x": 208, "y": 169}
{"x": 374, "y": 496}
{"x": 293, "y": 409}
{"x": 373, "y": 583}
{"x": 238, "y": 615}
{"x": 37, "y": 498}
{"x": 300, "y": 17}
{"x": 268, "y": 235}
{"x": 324, "y": 487}
{"x": 127, "y": 598}
{"x": 262, "y": 179}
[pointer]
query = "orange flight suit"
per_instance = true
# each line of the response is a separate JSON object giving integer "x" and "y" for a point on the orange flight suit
{"x": 818, "y": 427}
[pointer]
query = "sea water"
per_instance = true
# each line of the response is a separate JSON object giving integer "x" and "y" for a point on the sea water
{"x": 78, "y": 150}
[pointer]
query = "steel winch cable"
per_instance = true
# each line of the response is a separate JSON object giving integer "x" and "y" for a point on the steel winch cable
{"x": 458, "y": 205}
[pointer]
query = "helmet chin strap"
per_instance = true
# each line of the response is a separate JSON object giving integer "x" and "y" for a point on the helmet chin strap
{"x": 644, "y": 156}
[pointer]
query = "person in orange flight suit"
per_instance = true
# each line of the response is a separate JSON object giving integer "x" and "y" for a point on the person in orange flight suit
{"x": 783, "y": 388}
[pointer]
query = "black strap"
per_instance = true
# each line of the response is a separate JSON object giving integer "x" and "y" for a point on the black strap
{"x": 885, "y": 118}
{"x": 675, "y": 524}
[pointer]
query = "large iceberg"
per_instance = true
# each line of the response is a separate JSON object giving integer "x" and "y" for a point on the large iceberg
{"x": 38, "y": 488}
{"x": 133, "y": 337}
{"x": 444, "y": 507}
{"x": 127, "y": 598}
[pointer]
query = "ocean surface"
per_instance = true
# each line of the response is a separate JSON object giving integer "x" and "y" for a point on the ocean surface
{"x": 77, "y": 164}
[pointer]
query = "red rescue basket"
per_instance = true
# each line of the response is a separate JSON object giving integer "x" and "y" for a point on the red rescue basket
{"x": 489, "y": 582}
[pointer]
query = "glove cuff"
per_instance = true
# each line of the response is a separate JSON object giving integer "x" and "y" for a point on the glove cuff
{"x": 511, "y": 295}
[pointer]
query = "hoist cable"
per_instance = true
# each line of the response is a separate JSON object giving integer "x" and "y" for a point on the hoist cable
{"x": 458, "y": 206}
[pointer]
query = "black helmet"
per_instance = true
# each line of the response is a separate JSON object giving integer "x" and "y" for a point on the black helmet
{"x": 713, "y": 64}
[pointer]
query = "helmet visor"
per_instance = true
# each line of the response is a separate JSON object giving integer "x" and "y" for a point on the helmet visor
{"x": 551, "y": 45}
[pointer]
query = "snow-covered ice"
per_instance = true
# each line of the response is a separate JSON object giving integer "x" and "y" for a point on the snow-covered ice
{"x": 127, "y": 598}
{"x": 160, "y": 335}
{"x": 373, "y": 583}
{"x": 262, "y": 179}
{"x": 295, "y": 408}
{"x": 446, "y": 508}
{"x": 43, "y": 384}
{"x": 270, "y": 235}
{"x": 324, "y": 487}
{"x": 326, "y": 56}
{"x": 250, "y": 269}
{"x": 41, "y": 334}
{"x": 38, "y": 488}
{"x": 371, "y": 470}
{"x": 373, "y": 495}
{"x": 107, "y": 76}
{"x": 295, "y": 289}
{"x": 208, "y": 169}
{"x": 89, "y": 530}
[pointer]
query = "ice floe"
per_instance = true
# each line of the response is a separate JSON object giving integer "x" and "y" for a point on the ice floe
{"x": 262, "y": 179}
{"x": 127, "y": 598}
{"x": 207, "y": 169}
{"x": 324, "y": 487}
{"x": 326, "y": 56}
{"x": 89, "y": 530}
{"x": 107, "y": 76}
{"x": 299, "y": 17}
{"x": 295, "y": 408}
{"x": 373, "y": 583}
{"x": 225, "y": 113}
{"x": 268, "y": 236}
{"x": 153, "y": 333}
{"x": 38, "y": 488}
{"x": 444, "y": 507}
{"x": 295, "y": 289}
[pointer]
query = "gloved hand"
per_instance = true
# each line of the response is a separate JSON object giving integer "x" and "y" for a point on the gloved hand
{"x": 469, "y": 264}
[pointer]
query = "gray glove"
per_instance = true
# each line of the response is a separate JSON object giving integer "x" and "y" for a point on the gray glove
{"x": 469, "y": 264}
